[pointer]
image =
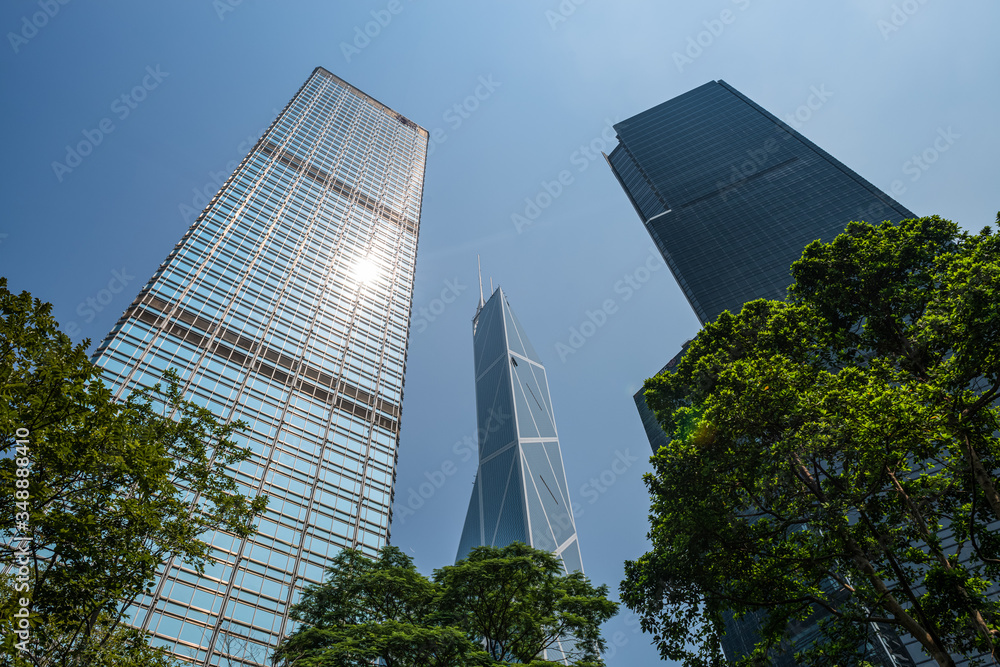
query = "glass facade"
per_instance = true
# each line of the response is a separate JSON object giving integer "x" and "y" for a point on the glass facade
{"x": 520, "y": 493}
{"x": 657, "y": 438}
{"x": 286, "y": 304}
{"x": 731, "y": 196}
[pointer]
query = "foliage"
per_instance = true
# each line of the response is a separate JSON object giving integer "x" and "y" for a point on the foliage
{"x": 500, "y": 606}
{"x": 834, "y": 458}
{"x": 516, "y": 603}
{"x": 373, "y": 609}
{"x": 121, "y": 646}
{"x": 115, "y": 488}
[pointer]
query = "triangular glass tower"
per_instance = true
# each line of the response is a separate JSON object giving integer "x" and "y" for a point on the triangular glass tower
{"x": 520, "y": 493}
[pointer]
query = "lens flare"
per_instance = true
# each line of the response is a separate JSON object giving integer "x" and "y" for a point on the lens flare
{"x": 366, "y": 271}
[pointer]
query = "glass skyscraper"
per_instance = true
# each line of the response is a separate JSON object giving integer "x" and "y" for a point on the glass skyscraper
{"x": 731, "y": 196}
{"x": 656, "y": 436}
{"x": 286, "y": 304}
{"x": 520, "y": 493}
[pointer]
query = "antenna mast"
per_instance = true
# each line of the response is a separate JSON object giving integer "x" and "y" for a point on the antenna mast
{"x": 481, "y": 302}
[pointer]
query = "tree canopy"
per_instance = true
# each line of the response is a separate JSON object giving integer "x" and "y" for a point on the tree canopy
{"x": 499, "y": 606}
{"x": 833, "y": 459}
{"x": 96, "y": 493}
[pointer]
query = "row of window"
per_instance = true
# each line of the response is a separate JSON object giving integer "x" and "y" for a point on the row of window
{"x": 218, "y": 380}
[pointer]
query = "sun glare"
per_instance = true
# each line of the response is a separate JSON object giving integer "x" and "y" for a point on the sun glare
{"x": 366, "y": 271}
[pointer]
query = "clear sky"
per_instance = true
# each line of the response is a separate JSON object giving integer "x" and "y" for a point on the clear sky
{"x": 516, "y": 94}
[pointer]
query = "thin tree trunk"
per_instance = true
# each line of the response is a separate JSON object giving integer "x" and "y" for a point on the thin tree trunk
{"x": 982, "y": 477}
{"x": 978, "y": 622}
{"x": 888, "y": 601}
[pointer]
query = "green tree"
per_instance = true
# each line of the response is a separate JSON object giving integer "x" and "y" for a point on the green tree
{"x": 121, "y": 646}
{"x": 95, "y": 493}
{"x": 516, "y": 602}
{"x": 833, "y": 459}
{"x": 500, "y": 606}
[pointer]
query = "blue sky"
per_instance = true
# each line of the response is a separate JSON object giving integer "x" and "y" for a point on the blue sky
{"x": 536, "y": 84}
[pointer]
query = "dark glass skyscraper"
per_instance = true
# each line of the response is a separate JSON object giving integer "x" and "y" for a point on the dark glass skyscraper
{"x": 731, "y": 195}
{"x": 286, "y": 304}
{"x": 520, "y": 493}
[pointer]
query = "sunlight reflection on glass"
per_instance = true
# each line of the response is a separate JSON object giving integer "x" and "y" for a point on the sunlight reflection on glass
{"x": 366, "y": 271}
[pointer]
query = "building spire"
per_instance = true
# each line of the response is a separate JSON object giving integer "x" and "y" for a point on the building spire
{"x": 481, "y": 302}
